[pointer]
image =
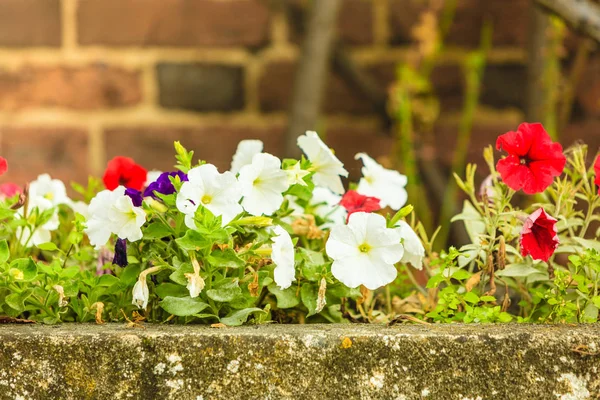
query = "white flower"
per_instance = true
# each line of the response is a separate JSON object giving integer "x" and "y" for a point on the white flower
{"x": 413, "y": 248}
{"x": 283, "y": 256}
{"x": 151, "y": 177}
{"x": 50, "y": 189}
{"x": 385, "y": 184}
{"x": 244, "y": 154}
{"x": 327, "y": 206}
{"x": 219, "y": 193}
{"x": 296, "y": 175}
{"x": 79, "y": 207}
{"x": 364, "y": 251}
{"x": 113, "y": 212}
{"x": 326, "y": 165}
{"x": 141, "y": 293}
{"x": 263, "y": 183}
{"x": 41, "y": 234}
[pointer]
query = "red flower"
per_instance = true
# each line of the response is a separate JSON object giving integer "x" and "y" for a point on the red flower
{"x": 3, "y": 165}
{"x": 8, "y": 190}
{"x": 124, "y": 171}
{"x": 539, "y": 236}
{"x": 597, "y": 172}
{"x": 533, "y": 159}
{"x": 353, "y": 202}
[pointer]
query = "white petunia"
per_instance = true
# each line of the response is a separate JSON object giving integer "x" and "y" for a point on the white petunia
{"x": 385, "y": 184}
{"x": 246, "y": 150}
{"x": 413, "y": 248}
{"x": 325, "y": 164}
{"x": 50, "y": 189}
{"x": 364, "y": 251}
{"x": 327, "y": 206}
{"x": 263, "y": 183}
{"x": 113, "y": 212}
{"x": 41, "y": 234}
{"x": 283, "y": 256}
{"x": 219, "y": 193}
{"x": 296, "y": 175}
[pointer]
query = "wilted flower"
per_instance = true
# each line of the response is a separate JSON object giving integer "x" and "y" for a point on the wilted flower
{"x": 533, "y": 159}
{"x": 364, "y": 251}
{"x": 62, "y": 300}
{"x": 385, "y": 184}
{"x": 219, "y": 193}
{"x": 539, "y": 237}
{"x": 195, "y": 281}
{"x": 283, "y": 256}
{"x": 327, "y": 167}
{"x": 141, "y": 293}
{"x": 355, "y": 202}
{"x": 413, "y": 248}
{"x": 321, "y": 299}
{"x": 246, "y": 150}
{"x": 263, "y": 183}
{"x": 162, "y": 184}
{"x": 123, "y": 171}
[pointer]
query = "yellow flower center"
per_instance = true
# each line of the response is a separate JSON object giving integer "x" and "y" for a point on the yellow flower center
{"x": 256, "y": 182}
{"x": 364, "y": 248}
{"x": 206, "y": 199}
{"x": 369, "y": 178}
{"x": 49, "y": 196}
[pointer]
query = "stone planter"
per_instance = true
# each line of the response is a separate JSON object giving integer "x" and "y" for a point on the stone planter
{"x": 76, "y": 361}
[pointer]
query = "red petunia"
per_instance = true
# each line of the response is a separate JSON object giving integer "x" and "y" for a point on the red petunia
{"x": 533, "y": 159}
{"x": 3, "y": 165}
{"x": 353, "y": 202}
{"x": 539, "y": 237}
{"x": 597, "y": 172}
{"x": 124, "y": 171}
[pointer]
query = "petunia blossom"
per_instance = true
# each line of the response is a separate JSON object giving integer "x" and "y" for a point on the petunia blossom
{"x": 597, "y": 172}
{"x": 414, "y": 252}
{"x": 40, "y": 234}
{"x": 123, "y": 171}
{"x": 8, "y": 190}
{"x": 163, "y": 184}
{"x": 327, "y": 167}
{"x": 533, "y": 160}
{"x": 50, "y": 189}
{"x": 263, "y": 183}
{"x": 326, "y": 205}
{"x": 283, "y": 256}
{"x": 246, "y": 150}
{"x": 296, "y": 175}
{"x": 135, "y": 196}
{"x": 355, "y": 202}
{"x": 219, "y": 193}
{"x": 3, "y": 165}
{"x": 364, "y": 251}
{"x": 539, "y": 236}
{"x": 120, "y": 257}
{"x": 385, "y": 184}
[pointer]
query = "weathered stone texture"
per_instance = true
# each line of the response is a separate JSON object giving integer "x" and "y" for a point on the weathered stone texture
{"x": 300, "y": 362}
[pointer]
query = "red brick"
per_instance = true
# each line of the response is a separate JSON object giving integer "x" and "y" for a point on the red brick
{"x": 201, "y": 87}
{"x": 30, "y": 23}
{"x": 355, "y": 24}
{"x": 173, "y": 22}
{"x": 90, "y": 87}
{"x": 152, "y": 146}
{"x": 508, "y": 17}
{"x": 60, "y": 152}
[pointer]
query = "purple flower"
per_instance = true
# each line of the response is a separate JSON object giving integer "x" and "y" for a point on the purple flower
{"x": 163, "y": 184}
{"x": 120, "y": 253}
{"x": 135, "y": 195}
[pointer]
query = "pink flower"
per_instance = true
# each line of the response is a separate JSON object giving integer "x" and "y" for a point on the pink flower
{"x": 539, "y": 236}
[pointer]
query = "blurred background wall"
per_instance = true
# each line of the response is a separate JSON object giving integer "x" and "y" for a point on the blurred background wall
{"x": 84, "y": 80}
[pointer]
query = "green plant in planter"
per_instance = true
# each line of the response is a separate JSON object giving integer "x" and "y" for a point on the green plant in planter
{"x": 267, "y": 240}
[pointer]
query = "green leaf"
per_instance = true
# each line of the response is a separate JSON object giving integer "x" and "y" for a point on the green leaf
{"x": 461, "y": 274}
{"x": 225, "y": 292}
{"x": 518, "y": 270}
{"x": 48, "y": 246}
{"x": 178, "y": 276}
{"x": 107, "y": 280}
{"x": 157, "y": 230}
{"x": 130, "y": 274}
{"x": 193, "y": 241}
{"x": 309, "y": 294}
{"x": 473, "y": 221}
{"x": 27, "y": 267}
{"x": 182, "y": 306}
{"x": 471, "y": 297}
{"x": 286, "y": 298}
{"x": 170, "y": 289}
{"x": 487, "y": 299}
{"x": 237, "y": 318}
{"x": 225, "y": 259}
{"x": 4, "y": 251}
{"x": 15, "y": 302}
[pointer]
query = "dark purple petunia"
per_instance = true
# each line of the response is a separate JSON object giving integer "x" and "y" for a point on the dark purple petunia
{"x": 120, "y": 253}
{"x": 163, "y": 184}
{"x": 136, "y": 196}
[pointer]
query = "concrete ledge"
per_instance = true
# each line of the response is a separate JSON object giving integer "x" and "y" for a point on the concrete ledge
{"x": 300, "y": 362}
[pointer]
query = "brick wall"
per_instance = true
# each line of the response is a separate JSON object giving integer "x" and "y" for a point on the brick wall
{"x": 84, "y": 80}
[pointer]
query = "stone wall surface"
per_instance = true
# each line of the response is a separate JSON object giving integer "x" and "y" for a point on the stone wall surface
{"x": 462, "y": 362}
